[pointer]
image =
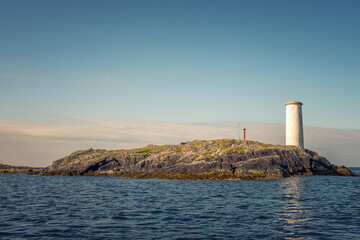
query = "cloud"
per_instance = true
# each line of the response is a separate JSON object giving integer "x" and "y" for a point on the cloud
{"x": 40, "y": 143}
{"x": 12, "y": 77}
{"x": 107, "y": 79}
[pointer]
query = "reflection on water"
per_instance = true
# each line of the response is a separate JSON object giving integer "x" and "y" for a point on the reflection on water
{"x": 294, "y": 217}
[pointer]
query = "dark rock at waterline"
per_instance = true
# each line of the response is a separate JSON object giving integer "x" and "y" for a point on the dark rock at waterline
{"x": 199, "y": 159}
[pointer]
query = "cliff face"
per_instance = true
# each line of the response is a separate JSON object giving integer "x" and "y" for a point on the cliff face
{"x": 199, "y": 159}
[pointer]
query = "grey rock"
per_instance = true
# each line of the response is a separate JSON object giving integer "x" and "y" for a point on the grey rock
{"x": 198, "y": 156}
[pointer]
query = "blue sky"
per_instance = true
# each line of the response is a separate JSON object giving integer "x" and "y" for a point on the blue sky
{"x": 120, "y": 74}
{"x": 181, "y": 61}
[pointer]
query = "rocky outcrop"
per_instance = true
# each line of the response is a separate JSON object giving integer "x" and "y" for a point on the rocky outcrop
{"x": 199, "y": 159}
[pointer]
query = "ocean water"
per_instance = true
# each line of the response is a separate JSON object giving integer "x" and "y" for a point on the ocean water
{"x": 86, "y": 207}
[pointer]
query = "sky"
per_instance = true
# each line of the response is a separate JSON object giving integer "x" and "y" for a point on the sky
{"x": 184, "y": 64}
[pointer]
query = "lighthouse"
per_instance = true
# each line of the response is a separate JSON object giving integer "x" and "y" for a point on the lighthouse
{"x": 294, "y": 124}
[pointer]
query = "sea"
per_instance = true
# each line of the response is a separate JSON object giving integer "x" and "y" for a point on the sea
{"x": 95, "y": 207}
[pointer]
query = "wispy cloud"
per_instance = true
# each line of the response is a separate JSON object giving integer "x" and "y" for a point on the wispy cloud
{"x": 40, "y": 143}
{"x": 12, "y": 77}
{"x": 107, "y": 79}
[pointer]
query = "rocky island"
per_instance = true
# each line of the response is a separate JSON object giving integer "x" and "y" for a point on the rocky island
{"x": 221, "y": 159}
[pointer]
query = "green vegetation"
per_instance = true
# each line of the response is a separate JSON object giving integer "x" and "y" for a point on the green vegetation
{"x": 143, "y": 150}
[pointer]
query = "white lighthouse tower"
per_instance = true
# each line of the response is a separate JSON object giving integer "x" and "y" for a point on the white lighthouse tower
{"x": 294, "y": 124}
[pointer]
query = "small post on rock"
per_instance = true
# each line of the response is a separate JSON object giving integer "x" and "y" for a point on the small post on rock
{"x": 244, "y": 134}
